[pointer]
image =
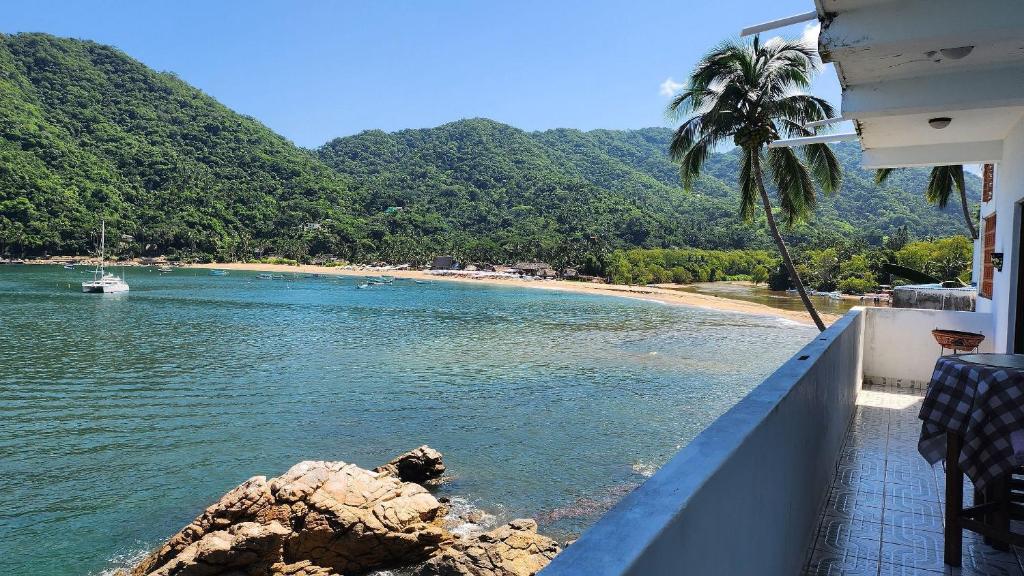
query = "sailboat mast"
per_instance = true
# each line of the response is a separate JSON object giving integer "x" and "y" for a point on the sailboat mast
{"x": 103, "y": 241}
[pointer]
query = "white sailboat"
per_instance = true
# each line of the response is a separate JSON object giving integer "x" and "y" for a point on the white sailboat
{"x": 102, "y": 281}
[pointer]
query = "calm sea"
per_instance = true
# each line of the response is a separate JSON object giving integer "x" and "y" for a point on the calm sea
{"x": 124, "y": 415}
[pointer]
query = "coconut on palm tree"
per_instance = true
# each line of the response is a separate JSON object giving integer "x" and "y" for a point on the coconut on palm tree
{"x": 753, "y": 93}
{"x": 940, "y": 188}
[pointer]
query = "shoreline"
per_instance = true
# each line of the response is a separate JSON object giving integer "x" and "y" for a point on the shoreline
{"x": 648, "y": 293}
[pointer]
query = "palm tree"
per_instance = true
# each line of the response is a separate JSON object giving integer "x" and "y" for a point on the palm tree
{"x": 940, "y": 188}
{"x": 754, "y": 93}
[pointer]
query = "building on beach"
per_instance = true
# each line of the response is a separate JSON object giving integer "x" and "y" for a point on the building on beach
{"x": 443, "y": 263}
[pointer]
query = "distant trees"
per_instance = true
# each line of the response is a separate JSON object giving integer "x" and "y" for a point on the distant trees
{"x": 686, "y": 265}
{"x": 848, "y": 267}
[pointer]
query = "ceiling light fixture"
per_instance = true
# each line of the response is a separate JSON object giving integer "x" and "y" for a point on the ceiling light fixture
{"x": 939, "y": 123}
{"x": 956, "y": 53}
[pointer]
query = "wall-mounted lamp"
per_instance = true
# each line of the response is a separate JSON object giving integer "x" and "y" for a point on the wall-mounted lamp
{"x": 939, "y": 123}
{"x": 997, "y": 261}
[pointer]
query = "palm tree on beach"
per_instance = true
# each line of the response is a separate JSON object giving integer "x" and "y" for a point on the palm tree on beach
{"x": 754, "y": 93}
{"x": 940, "y": 188}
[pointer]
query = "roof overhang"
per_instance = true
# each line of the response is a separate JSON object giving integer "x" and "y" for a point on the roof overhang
{"x": 904, "y": 62}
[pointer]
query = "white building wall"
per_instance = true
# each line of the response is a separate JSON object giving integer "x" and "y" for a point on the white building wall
{"x": 899, "y": 349}
{"x": 1008, "y": 192}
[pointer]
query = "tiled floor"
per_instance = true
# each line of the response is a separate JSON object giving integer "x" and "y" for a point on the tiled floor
{"x": 884, "y": 513}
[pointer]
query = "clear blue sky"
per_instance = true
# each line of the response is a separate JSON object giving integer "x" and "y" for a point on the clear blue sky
{"x": 314, "y": 70}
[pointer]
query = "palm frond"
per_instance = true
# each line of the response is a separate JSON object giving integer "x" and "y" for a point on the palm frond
{"x": 824, "y": 167}
{"x": 940, "y": 184}
{"x": 793, "y": 184}
{"x": 882, "y": 174}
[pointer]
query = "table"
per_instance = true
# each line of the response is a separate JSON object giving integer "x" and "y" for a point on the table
{"x": 973, "y": 417}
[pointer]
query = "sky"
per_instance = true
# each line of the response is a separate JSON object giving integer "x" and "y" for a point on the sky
{"x": 316, "y": 70}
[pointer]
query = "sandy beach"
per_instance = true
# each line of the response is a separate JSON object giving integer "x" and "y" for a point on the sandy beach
{"x": 651, "y": 293}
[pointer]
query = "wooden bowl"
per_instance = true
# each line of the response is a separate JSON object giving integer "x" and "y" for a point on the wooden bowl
{"x": 957, "y": 340}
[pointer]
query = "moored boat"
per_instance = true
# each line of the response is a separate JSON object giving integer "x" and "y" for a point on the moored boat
{"x": 218, "y": 272}
{"x": 102, "y": 281}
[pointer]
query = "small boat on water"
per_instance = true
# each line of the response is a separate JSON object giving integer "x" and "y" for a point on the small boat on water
{"x": 362, "y": 286}
{"x": 164, "y": 269}
{"x": 102, "y": 281}
{"x": 277, "y": 276}
{"x": 218, "y": 272}
{"x": 69, "y": 266}
{"x": 423, "y": 281}
{"x": 265, "y": 276}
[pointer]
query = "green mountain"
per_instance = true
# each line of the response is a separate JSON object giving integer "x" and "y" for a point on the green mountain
{"x": 86, "y": 131}
{"x": 490, "y": 186}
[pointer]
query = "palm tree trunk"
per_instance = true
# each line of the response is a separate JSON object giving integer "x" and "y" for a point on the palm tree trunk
{"x": 783, "y": 250}
{"x": 967, "y": 214}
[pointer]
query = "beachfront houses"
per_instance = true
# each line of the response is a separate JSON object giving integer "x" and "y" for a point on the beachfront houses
{"x": 539, "y": 269}
{"x": 816, "y": 471}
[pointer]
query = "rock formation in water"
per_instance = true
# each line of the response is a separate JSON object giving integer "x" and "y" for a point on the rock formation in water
{"x": 514, "y": 549}
{"x": 422, "y": 466}
{"x": 332, "y": 518}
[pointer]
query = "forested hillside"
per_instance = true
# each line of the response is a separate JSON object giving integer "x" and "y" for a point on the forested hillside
{"x": 489, "y": 188}
{"x": 86, "y": 131}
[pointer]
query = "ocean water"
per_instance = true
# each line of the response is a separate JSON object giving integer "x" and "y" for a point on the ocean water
{"x": 123, "y": 416}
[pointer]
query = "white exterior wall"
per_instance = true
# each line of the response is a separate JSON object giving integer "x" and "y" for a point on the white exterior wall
{"x": 899, "y": 349}
{"x": 1008, "y": 191}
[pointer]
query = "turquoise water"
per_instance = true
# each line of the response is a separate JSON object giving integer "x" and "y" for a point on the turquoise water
{"x": 125, "y": 415}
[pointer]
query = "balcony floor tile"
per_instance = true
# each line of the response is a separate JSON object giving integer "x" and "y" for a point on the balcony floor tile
{"x": 884, "y": 511}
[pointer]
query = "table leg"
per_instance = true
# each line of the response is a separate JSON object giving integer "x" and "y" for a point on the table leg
{"x": 953, "y": 535}
{"x": 1001, "y": 517}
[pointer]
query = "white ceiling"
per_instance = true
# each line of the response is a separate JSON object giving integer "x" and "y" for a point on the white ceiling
{"x": 894, "y": 77}
{"x": 967, "y": 126}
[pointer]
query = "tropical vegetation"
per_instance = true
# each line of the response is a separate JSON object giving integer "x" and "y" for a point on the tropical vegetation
{"x": 849, "y": 267}
{"x": 88, "y": 132}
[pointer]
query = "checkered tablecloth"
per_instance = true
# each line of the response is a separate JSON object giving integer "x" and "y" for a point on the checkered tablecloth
{"x": 983, "y": 403}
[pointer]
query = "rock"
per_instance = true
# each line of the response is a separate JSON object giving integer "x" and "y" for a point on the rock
{"x": 422, "y": 465}
{"x": 317, "y": 519}
{"x": 304, "y": 568}
{"x": 514, "y": 549}
{"x": 247, "y": 546}
{"x": 474, "y": 516}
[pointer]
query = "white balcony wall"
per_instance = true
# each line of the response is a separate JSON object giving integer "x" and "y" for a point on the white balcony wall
{"x": 899, "y": 348}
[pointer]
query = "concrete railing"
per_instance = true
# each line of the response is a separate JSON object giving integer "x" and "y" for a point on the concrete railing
{"x": 743, "y": 497}
{"x": 899, "y": 349}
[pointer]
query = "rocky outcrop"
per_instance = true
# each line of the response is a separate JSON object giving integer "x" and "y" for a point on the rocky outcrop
{"x": 423, "y": 465}
{"x": 514, "y": 549}
{"x": 332, "y": 518}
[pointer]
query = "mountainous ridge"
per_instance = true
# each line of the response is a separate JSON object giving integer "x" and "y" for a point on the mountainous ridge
{"x": 86, "y": 131}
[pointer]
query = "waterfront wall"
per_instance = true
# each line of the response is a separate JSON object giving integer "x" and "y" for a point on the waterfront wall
{"x": 899, "y": 348}
{"x": 743, "y": 497}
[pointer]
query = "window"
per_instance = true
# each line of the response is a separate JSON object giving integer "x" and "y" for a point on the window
{"x": 989, "y": 244}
